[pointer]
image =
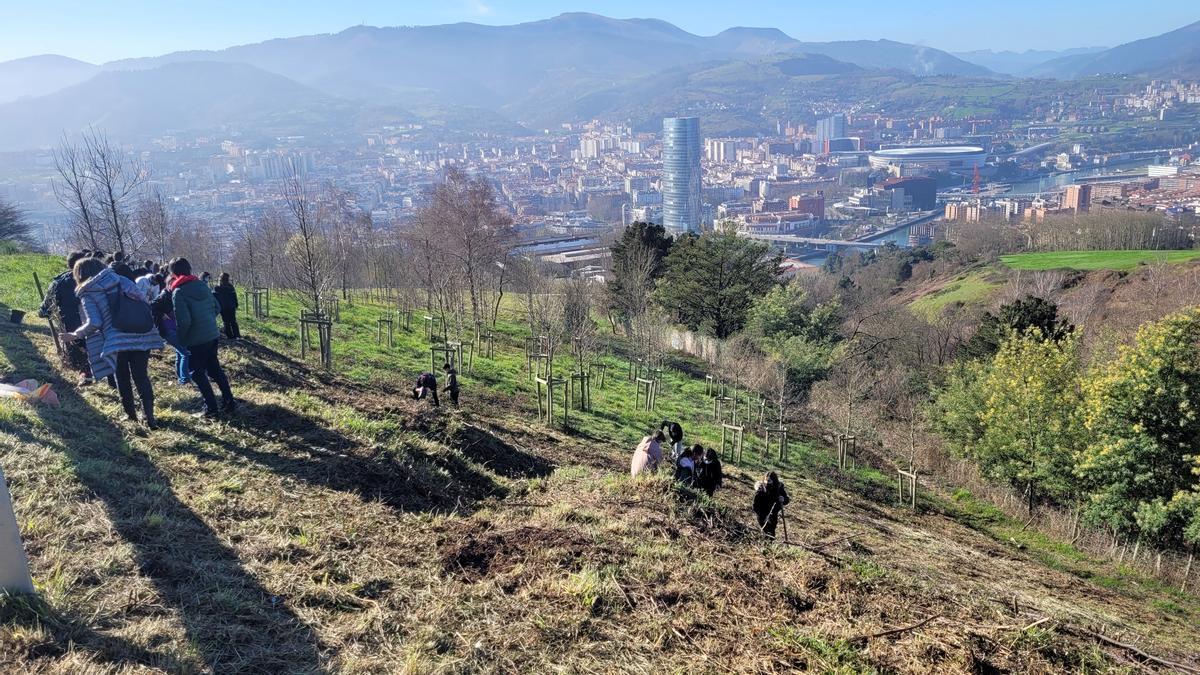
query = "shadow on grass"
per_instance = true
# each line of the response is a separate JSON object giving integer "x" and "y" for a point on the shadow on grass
{"x": 230, "y": 619}
{"x": 402, "y": 477}
{"x": 32, "y": 613}
{"x": 499, "y": 456}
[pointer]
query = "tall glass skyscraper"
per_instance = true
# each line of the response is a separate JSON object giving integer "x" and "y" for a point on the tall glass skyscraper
{"x": 681, "y": 174}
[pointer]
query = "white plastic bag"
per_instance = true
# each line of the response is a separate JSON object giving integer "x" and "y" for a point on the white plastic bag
{"x": 30, "y": 392}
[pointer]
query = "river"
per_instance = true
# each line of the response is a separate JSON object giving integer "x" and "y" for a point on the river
{"x": 1061, "y": 180}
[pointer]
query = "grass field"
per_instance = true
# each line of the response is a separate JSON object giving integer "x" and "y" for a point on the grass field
{"x": 334, "y": 524}
{"x": 970, "y": 288}
{"x": 1120, "y": 261}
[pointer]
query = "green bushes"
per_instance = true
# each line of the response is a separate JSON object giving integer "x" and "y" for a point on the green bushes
{"x": 1121, "y": 439}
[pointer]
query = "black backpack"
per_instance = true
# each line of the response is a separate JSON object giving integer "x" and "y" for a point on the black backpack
{"x": 130, "y": 315}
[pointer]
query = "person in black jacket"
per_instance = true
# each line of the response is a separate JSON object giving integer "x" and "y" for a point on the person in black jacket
{"x": 709, "y": 475}
{"x": 227, "y": 297}
{"x": 769, "y": 499}
{"x": 685, "y": 466}
{"x": 675, "y": 433}
{"x": 426, "y": 384}
{"x": 451, "y": 382}
{"x": 62, "y": 304}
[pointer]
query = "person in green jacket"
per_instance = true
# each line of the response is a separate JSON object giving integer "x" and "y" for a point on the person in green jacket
{"x": 196, "y": 313}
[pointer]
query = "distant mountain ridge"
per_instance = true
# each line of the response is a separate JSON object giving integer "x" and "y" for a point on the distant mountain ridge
{"x": 40, "y": 75}
{"x": 454, "y": 73}
{"x": 572, "y": 66}
{"x": 488, "y": 65}
{"x": 1172, "y": 54}
{"x": 197, "y": 96}
{"x": 1020, "y": 63}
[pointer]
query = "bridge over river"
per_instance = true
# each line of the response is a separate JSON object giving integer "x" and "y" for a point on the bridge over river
{"x": 896, "y": 234}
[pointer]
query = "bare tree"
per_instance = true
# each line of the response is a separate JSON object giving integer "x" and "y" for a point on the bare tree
{"x": 154, "y": 225}
{"x": 548, "y": 315}
{"x": 308, "y": 259}
{"x": 346, "y": 233}
{"x": 73, "y": 192}
{"x": 471, "y": 231}
{"x": 780, "y": 390}
{"x": 13, "y": 226}
{"x": 861, "y": 364}
{"x": 636, "y": 268}
{"x": 579, "y": 326}
{"x": 196, "y": 240}
{"x": 115, "y": 180}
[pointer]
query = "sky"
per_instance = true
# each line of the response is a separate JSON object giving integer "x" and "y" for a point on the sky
{"x": 105, "y": 30}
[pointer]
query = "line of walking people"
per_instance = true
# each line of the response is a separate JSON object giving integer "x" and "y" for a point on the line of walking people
{"x": 113, "y": 315}
{"x": 698, "y": 468}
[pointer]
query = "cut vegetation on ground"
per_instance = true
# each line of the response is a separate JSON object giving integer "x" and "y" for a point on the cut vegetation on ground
{"x": 336, "y": 525}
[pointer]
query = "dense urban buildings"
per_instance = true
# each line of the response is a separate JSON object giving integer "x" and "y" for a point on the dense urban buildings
{"x": 830, "y": 129}
{"x": 681, "y": 175}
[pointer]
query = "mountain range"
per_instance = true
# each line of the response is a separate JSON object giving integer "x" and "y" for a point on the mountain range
{"x": 40, "y": 75}
{"x": 1173, "y": 54}
{"x": 1020, "y": 63}
{"x": 537, "y": 73}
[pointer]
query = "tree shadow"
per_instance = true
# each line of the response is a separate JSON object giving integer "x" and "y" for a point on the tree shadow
{"x": 33, "y": 613}
{"x": 402, "y": 477}
{"x": 232, "y": 622}
{"x": 498, "y": 455}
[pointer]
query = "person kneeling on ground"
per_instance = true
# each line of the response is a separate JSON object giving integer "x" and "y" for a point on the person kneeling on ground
{"x": 196, "y": 313}
{"x": 451, "y": 382}
{"x": 769, "y": 499}
{"x": 708, "y": 474}
{"x": 685, "y": 466}
{"x": 648, "y": 454}
{"x": 426, "y": 384}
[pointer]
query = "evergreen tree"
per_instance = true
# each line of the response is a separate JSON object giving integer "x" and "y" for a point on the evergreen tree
{"x": 712, "y": 280}
{"x": 1018, "y": 316}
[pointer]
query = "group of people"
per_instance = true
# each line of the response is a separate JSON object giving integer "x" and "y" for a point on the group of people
{"x": 695, "y": 467}
{"x": 427, "y": 385}
{"x": 698, "y": 468}
{"x": 113, "y": 314}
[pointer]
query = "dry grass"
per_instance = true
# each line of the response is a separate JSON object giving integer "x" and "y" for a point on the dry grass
{"x": 331, "y": 527}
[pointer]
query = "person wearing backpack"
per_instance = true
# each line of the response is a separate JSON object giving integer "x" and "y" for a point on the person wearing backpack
{"x": 61, "y": 303}
{"x": 196, "y": 327}
{"x": 119, "y": 329}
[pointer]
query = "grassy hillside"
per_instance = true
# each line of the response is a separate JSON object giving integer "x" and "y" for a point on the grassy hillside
{"x": 969, "y": 288}
{"x": 1095, "y": 260}
{"x": 334, "y": 524}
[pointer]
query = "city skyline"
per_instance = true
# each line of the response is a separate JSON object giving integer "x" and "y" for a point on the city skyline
{"x": 99, "y": 33}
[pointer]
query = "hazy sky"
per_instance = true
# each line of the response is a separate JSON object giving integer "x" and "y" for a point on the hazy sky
{"x": 103, "y": 30}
